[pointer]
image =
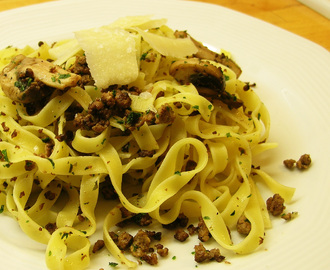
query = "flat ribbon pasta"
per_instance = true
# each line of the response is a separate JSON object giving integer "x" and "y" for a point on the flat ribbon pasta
{"x": 184, "y": 145}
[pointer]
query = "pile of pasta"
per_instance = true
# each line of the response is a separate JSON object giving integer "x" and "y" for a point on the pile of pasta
{"x": 222, "y": 142}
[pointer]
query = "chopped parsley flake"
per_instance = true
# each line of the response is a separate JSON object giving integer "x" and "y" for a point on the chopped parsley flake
{"x": 46, "y": 140}
{"x": 135, "y": 247}
{"x": 64, "y": 76}
{"x": 133, "y": 118}
{"x": 2, "y": 208}
{"x": 113, "y": 264}
{"x": 65, "y": 235}
{"x": 60, "y": 77}
{"x": 71, "y": 167}
{"x": 178, "y": 173}
{"x": 143, "y": 56}
{"x": 4, "y": 155}
{"x": 23, "y": 85}
{"x": 52, "y": 162}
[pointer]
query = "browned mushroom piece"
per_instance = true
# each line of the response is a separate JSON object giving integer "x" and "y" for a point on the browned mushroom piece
{"x": 205, "y": 53}
{"x": 198, "y": 72}
{"x": 208, "y": 79}
{"x": 27, "y": 79}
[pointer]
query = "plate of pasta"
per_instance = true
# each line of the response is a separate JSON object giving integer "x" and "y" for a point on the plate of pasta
{"x": 160, "y": 134}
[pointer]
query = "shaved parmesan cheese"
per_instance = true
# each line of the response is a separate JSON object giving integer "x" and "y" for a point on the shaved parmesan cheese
{"x": 175, "y": 47}
{"x": 143, "y": 22}
{"x": 110, "y": 54}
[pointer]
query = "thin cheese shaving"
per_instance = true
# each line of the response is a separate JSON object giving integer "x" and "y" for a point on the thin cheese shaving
{"x": 111, "y": 55}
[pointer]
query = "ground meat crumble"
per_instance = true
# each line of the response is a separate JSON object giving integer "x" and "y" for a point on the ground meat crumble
{"x": 161, "y": 250}
{"x": 180, "y": 221}
{"x": 111, "y": 102}
{"x": 140, "y": 245}
{"x": 107, "y": 189}
{"x": 99, "y": 244}
{"x": 243, "y": 225}
{"x": 275, "y": 205}
{"x": 289, "y": 216}
{"x": 289, "y": 163}
{"x": 181, "y": 235}
{"x": 202, "y": 254}
{"x": 116, "y": 102}
{"x": 51, "y": 227}
{"x": 81, "y": 68}
{"x": 123, "y": 240}
{"x": 140, "y": 219}
{"x": 303, "y": 163}
{"x": 203, "y": 231}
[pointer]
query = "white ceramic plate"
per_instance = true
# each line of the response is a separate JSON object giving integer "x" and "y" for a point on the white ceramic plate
{"x": 321, "y": 6}
{"x": 292, "y": 76}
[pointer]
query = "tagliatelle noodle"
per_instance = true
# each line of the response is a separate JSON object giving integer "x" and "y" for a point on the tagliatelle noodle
{"x": 63, "y": 188}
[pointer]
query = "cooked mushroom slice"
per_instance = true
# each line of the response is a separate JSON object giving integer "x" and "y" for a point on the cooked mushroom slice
{"x": 28, "y": 79}
{"x": 200, "y": 73}
{"x": 231, "y": 100}
{"x": 208, "y": 79}
{"x": 205, "y": 53}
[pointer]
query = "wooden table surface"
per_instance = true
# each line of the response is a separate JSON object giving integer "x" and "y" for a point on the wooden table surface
{"x": 288, "y": 14}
